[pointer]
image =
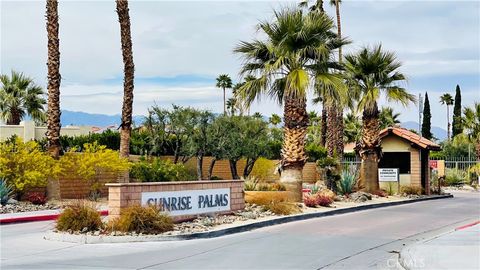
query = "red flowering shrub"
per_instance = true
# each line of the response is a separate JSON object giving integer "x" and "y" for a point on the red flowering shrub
{"x": 323, "y": 200}
{"x": 37, "y": 198}
{"x": 310, "y": 200}
{"x": 380, "y": 193}
{"x": 317, "y": 199}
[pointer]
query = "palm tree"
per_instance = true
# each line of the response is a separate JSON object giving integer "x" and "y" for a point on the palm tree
{"x": 370, "y": 72}
{"x": 20, "y": 96}
{"x": 232, "y": 105}
{"x": 388, "y": 118}
{"x": 471, "y": 123}
{"x": 316, "y": 7}
{"x": 447, "y": 99}
{"x": 275, "y": 119}
{"x": 54, "y": 79}
{"x": 128, "y": 80}
{"x": 339, "y": 144}
{"x": 282, "y": 68}
{"x": 224, "y": 81}
{"x": 353, "y": 128}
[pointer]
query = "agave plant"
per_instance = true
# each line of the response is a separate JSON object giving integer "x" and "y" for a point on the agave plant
{"x": 5, "y": 192}
{"x": 347, "y": 181}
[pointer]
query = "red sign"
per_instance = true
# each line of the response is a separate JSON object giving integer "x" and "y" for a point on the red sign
{"x": 433, "y": 164}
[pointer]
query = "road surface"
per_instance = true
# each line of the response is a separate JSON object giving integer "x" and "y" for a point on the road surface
{"x": 368, "y": 239}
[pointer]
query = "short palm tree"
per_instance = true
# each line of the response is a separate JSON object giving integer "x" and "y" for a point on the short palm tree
{"x": 282, "y": 65}
{"x": 388, "y": 118}
{"x": 471, "y": 122}
{"x": 54, "y": 78}
{"x": 447, "y": 99}
{"x": 20, "y": 96}
{"x": 370, "y": 72}
{"x": 128, "y": 77}
{"x": 224, "y": 82}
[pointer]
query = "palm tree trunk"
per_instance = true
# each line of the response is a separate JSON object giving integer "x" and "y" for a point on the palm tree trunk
{"x": 15, "y": 118}
{"x": 448, "y": 123}
{"x": 323, "y": 138}
{"x": 293, "y": 149}
{"x": 224, "y": 103}
{"x": 370, "y": 150}
{"x": 339, "y": 140}
{"x": 332, "y": 131}
{"x": 129, "y": 68}
{"x": 339, "y": 29}
{"x": 54, "y": 79}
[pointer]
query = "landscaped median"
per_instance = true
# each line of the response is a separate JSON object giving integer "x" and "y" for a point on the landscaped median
{"x": 252, "y": 217}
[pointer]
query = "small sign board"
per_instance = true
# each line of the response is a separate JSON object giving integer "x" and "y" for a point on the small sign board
{"x": 388, "y": 175}
{"x": 189, "y": 202}
{"x": 433, "y": 164}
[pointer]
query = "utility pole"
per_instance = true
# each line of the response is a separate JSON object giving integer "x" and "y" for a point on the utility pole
{"x": 420, "y": 112}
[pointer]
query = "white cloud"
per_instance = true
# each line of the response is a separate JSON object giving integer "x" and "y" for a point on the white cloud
{"x": 170, "y": 38}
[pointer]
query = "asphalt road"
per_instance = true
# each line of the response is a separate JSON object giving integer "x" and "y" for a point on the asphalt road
{"x": 368, "y": 239}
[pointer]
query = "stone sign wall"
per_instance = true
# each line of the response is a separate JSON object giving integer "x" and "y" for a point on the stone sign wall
{"x": 183, "y": 200}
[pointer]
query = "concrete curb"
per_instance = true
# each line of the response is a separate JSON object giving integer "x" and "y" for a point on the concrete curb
{"x": 92, "y": 239}
{"x": 37, "y": 218}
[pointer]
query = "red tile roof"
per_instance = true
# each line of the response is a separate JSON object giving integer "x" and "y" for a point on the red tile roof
{"x": 411, "y": 137}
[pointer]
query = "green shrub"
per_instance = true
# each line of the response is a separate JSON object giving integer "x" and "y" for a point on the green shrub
{"x": 348, "y": 180}
{"x": 5, "y": 192}
{"x": 160, "y": 171}
{"x": 411, "y": 190}
{"x": 79, "y": 216}
{"x": 455, "y": 177}
{"x": 140, "y": 219}
{"x": 315, "y": 152}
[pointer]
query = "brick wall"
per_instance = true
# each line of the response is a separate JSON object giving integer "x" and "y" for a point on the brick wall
{"x": 70, "y": 186}
{"x": 122, "y": 195}
{"x": 222, "y": 169}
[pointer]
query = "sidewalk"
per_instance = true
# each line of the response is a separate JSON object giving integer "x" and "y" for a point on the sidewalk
{"x": 37, "y": 216}
{"x": 459, "y": 249}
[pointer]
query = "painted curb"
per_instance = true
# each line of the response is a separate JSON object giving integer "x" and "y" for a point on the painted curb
{"x": 37, "y": 218}
{"x": 92, "y": 239}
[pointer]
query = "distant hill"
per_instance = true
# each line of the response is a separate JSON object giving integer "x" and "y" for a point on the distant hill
{"x": 90, "y": 119}
{"x": 438, "y": 132}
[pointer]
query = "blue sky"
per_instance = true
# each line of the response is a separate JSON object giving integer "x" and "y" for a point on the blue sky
{"x": 181, "y": 46}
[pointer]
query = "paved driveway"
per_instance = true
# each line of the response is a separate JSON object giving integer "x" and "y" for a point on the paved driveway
{"x": 369, "y": 239}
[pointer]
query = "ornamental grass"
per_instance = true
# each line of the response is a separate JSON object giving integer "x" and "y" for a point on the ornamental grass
{"x": 145, "y": 220}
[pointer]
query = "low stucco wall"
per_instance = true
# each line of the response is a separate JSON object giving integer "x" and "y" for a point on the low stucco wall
{"x": 28, "y": 131}
{"x": 122, "y": 195}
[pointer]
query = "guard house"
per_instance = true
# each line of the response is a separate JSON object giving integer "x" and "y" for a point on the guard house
{"x": 409, "y": 152}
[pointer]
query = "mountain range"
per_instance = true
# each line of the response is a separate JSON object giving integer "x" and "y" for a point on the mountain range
{"x": 103, "y": 120}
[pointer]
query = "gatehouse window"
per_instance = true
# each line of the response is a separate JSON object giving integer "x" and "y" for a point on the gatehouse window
{"x": 399, "y": 160}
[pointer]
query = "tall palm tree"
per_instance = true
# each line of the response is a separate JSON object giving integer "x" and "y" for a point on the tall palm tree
{"x": 388, "y": 118}
{"x": 224, "y": 81}
{"x": 20, "y": 96}
{"x": 128, "y": 80}
{"x": 447, "y": 99}
{"x": 281, "y": 65}
{"x": 353, "y": 128}
{"x": 471, "y": 123}
{"x": 54, "y": 78}
{"x": 370, "y": 72}
{"x": 339, "y": 143}
{"x": 318, "y": 7}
